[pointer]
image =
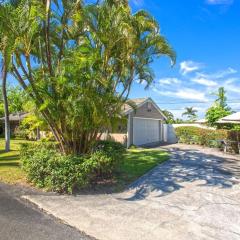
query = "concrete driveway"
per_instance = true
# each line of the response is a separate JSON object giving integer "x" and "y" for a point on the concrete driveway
{"x": 194, "y": 195}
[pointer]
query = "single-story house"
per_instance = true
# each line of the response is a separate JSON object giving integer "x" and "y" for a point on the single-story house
{"x": 145, "y": 124}
{"x": 201, "y": 121}
{"x": 233, "y": 118}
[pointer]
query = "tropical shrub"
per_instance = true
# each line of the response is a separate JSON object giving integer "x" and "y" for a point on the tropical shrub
{"x": 208, "y": 137}
{"x": 112, "y": 148}
{"x": 107, "y": 155}
{"x": 47, "y": 168}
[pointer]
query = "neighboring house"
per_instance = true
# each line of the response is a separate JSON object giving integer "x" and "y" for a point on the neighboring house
{"x": 145, "y": 124}
{"x": 233, "y": 118}
{"x": 15, "y": 120}
{"x": 201, "y": 121}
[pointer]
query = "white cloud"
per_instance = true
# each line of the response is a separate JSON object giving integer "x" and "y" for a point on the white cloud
{"x": 189, "y": 66}
{"x": 216, "y": 75}
{"x": 220, "y": 2}
{"x": 143, "y": 82}
{"x": 138, "y": 3}
{"x": 204, "y": 81}
{"x": 169, "y": 81}
{"x": 231, "y": 80}
{"x": 232, "y": 88}
{"x": 224, "y": 73}
{"x": 184, "y": 93}
{"x": 191, "y": 94}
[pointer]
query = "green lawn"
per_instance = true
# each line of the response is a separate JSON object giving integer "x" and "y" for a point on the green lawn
{"x": 136, "y": 162}
{"x": 10, "y": 171}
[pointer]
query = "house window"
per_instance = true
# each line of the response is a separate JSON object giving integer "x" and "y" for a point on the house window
{"x": 149, "y": 107}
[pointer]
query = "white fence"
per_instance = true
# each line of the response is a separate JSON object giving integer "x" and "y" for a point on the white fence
{"x": 169, "y": 135}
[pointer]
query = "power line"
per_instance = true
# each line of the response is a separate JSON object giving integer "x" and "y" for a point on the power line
{"x": 200, "y": 102}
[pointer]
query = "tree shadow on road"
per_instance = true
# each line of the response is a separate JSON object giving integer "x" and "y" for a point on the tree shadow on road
{"x": 187, "y": 166}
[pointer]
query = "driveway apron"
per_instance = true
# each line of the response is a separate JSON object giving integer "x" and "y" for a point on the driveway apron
{"x": 194, "y": 195}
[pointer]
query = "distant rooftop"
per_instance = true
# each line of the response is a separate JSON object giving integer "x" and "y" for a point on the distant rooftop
{"x": 233, "y": 118}
{"x": 16, "y": 116}
{"x": 202, "y": 121}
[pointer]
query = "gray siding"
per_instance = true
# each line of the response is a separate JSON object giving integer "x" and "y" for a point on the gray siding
{"x": 146, "y": 112}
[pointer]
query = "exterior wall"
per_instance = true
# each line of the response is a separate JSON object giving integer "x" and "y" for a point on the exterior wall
{"x": 145, "y": 112}
{"x": 117, "y": 137}
{"x": 169, "y": 134}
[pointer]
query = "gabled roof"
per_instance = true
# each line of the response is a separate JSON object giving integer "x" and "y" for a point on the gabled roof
{"x": 233, "y": 118}
{"x": 139, "y": 102}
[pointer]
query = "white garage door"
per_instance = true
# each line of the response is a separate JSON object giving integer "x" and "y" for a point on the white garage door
{"x": 145, "y": 131}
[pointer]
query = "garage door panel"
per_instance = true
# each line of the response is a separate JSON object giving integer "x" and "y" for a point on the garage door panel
{"x": 145, "y": 131}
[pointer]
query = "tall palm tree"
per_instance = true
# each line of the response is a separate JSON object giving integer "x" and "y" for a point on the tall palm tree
{"x": 221, "y": 97}
{"x": 5, "y": 102}
{"x": 190, "y": 113}
{"x": 6, "y": 50}
{"x": 5, "y": 59}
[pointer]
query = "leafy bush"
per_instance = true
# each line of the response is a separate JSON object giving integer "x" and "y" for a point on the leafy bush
{"x": 20, "y": 133}
{"x": 66, "y": 173}
{"x": 110, "y": 147}
{"x": 107, "y": 155}
{"x": 47, "y": 168}
{"x": 35, "y": 162}
{"x": 208, "y": 137}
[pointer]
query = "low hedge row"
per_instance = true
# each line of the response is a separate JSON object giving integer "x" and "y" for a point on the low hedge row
{"x": 208, "y": 137}
{"x": 47, "y": 168}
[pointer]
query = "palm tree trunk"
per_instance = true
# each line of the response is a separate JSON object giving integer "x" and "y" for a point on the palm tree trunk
{"x": 6, "y": 110}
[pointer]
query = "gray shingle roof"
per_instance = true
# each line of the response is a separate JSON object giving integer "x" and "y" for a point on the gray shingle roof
{"x": 137, "y": 101}
{"x": 16, "y": 116}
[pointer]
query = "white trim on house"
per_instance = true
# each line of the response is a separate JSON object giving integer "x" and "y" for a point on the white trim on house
{"x": 158, "y": 119}
{"x": 142, "y": 103}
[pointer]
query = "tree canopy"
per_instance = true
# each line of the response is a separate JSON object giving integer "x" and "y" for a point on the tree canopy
{"x": 190, "y": 113}
{"x": 78, "y": 61}
{"x": 219, "y": 109}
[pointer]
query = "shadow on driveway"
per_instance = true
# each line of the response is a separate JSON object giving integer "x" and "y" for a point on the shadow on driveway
{"x": 188, "y": 164}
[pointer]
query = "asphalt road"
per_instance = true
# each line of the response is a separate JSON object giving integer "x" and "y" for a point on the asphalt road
{"x": 20, "y": 220}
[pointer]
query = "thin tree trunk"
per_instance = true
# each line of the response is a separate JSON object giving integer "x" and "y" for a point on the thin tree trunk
{"x": 6, "y": 110}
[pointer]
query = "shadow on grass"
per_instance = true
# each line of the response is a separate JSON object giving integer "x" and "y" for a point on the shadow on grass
{"x": 9, "y": 158}
{"x": 3, "y": 151}
{"x": 9, "y": 164}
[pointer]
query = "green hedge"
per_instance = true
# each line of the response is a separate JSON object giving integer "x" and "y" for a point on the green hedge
{"x": 47, "y": 168}
{"x": 208, "y": 137}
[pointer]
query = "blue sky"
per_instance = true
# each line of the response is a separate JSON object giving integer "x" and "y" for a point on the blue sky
{"x": 206, "y": 37}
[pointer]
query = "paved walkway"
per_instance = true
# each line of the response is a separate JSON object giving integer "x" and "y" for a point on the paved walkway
{"x": 195, "y": 195}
